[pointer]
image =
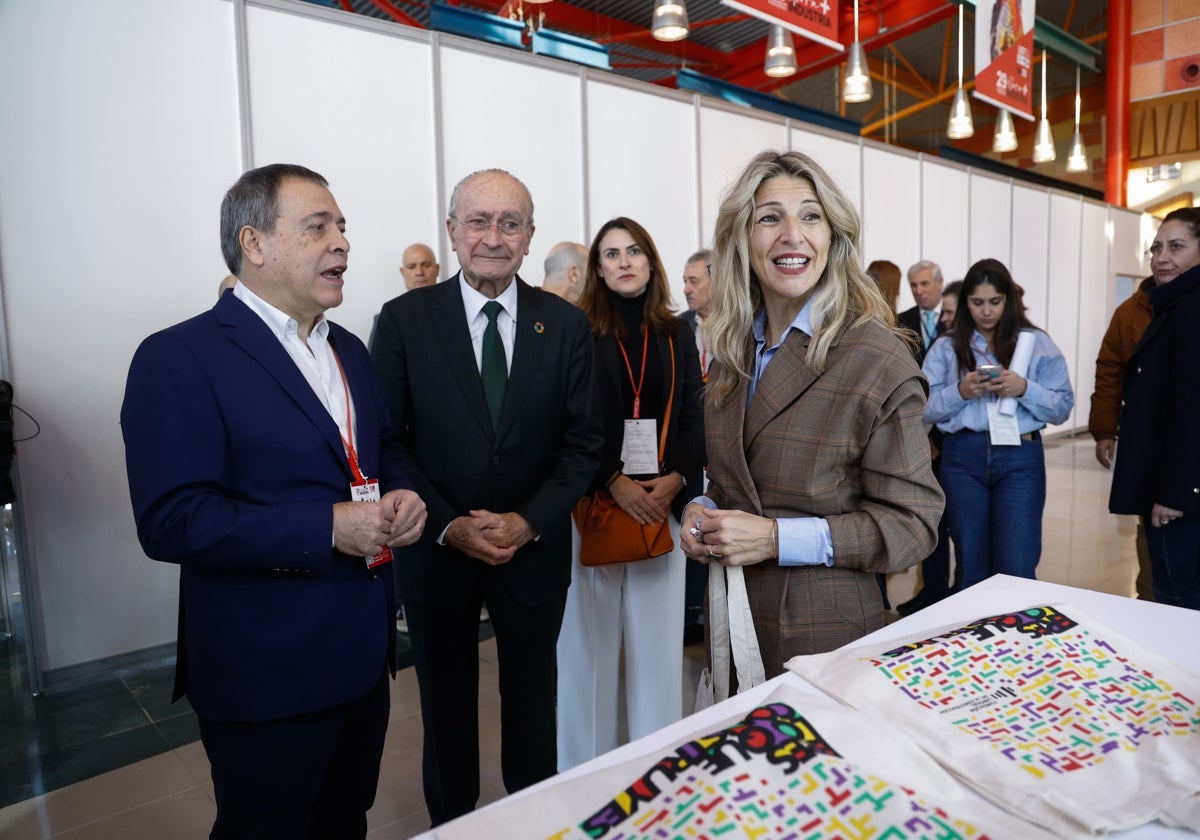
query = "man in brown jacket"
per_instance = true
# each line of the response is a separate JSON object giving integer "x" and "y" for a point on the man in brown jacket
{"x": 1125, "y": 330}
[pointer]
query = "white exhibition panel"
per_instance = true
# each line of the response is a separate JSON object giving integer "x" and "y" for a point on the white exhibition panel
{"x": 523, "y": 116}
{"x": 1128, "y": 251}
{"x": 1031, "y": 247}
{"x": 891, "y": 228}
{"x": 1066, "y": 246}
{"x": 945, "y": 216}
{"x": 119, "y": 137}
{"x": 1095, "y": 281}
{"x": 373, "y": 142}
{"x": 728, "y": 140}
{"x": 991, "y": 221}
{"x": 641, "y": 164}
{"x": 840, "y": 156}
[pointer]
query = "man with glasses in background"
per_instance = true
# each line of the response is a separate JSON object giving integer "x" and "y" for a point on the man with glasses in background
{"x": 489, "y": 385}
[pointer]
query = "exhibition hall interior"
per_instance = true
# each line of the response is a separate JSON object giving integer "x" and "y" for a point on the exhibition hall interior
{"x": 127, "y": 121}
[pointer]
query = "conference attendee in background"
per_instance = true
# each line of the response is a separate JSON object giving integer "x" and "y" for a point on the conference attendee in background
{"x": 647, "y": 369}
{"x": 419, "y": 266}
{"x": 249, "y": 431}
{"x": 926, "y": 321}
{"x": 1125, "y": 330}
{"x": 818, "y": 463}
{"x": 565, "y": 271}
{"x": 1157, "y": 472}
{"x": 489, "y": 386}
{"x": 950, "y": 294}
{"x": 923, "y": 319}
{"x": 887, "y": 276}
{"x": 995, "y": 488}
{"x": 697, "y": 284}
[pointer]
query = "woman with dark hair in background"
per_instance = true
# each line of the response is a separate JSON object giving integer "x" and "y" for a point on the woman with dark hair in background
{"x": 636, "y": 606}
{"x": 1157, "y": 472}
{"x": 818, "y": 463}
{"x": 993, "y": 466}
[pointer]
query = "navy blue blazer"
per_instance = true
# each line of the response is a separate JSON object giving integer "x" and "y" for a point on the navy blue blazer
{"x": 234, "y": 467}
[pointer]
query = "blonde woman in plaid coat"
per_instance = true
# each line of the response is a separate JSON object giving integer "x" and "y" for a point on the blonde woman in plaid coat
{"x": 818, "y": 460}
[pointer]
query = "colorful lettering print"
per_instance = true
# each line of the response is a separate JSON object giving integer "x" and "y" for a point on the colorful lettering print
{"x": 709, "y": 788}
{"x": 1051, "y": 700}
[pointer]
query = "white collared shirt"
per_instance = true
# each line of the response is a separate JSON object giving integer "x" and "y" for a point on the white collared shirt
{"x": 506, "y": 321}
{"x": 315, "y": 359}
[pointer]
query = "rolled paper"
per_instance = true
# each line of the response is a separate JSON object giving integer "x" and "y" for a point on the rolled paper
{"x": 1019, "y": 366}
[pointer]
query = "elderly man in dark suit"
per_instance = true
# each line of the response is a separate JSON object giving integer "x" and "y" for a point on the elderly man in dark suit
{"x": 489, "y": 382}
{"x": 256, "y": 443}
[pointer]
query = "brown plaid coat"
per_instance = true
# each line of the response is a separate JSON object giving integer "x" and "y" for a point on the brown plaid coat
{"x": 848, "y": 446}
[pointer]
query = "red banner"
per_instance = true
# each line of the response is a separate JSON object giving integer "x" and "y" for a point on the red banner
{"x": 816, "y": 20}
{"x": 1004, "y": 54}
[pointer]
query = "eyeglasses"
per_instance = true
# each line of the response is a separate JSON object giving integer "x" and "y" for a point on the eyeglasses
{"x": 709, "y": 267}
{"x": 508, "y": 228}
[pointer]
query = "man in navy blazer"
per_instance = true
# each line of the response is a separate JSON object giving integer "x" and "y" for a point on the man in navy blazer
{"x": 500, "y": 479}
{"x": 245, "y": 428}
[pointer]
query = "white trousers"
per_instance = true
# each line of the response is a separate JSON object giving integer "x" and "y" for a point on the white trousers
{"x": 641, "y": 604}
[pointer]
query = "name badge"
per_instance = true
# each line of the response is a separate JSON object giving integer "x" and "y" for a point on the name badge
{"x": 1002, "y": 428}
{"x": 368, "y": 491}
{"x": 639, "y": 448}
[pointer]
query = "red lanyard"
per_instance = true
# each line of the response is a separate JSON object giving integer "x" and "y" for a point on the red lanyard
{"x": 637, "y": 389}
{"x": 703, "y": 356}
{"x": 983, "y": 351}
{"x": 351, "y": 455}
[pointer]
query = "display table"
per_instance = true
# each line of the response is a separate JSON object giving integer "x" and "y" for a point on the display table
{"x": 1170, "y": 631}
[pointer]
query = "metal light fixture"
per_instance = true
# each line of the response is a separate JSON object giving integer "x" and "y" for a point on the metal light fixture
{"x": 856, "y": 86}
{"x": 960, "y": 126}
{"x": 1043, "y": 145}
{"x": 670, "y": 20}
{"x": 1077, "y": 160}
{"x": 1005, "y": 138}
{"x": 781, "y": 53}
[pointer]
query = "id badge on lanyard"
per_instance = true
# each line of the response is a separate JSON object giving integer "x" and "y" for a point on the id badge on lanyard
{"x": 362, "y": 489}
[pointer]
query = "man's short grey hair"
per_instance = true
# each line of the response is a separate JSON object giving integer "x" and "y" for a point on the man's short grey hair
{"x": 457, "y": 191}
{"x": 254, "y": 200}
{"x": 922, "y": 266}
{"x": 704, "y": 254}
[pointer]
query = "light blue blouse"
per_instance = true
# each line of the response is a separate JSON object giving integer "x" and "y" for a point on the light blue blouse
{"x": 1048, "y": 397}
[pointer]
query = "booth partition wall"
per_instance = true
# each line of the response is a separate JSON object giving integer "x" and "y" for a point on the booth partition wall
{"x": 126, "y": 120}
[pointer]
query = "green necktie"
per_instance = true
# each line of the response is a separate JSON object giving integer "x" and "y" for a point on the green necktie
{"x": 493, "y": 369}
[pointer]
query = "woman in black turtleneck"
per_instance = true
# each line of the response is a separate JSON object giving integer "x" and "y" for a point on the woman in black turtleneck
{"x": 639, "y": 603}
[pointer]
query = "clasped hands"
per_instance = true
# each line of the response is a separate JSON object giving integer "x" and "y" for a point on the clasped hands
{"x": 976, "y": 384}
{"x": 728, "y": 537}
{"x": 491, "y": 537}
{"x": 647, "y": 502}
{"x": 364, "y": 528}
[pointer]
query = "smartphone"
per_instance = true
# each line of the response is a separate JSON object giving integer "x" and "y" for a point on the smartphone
{"x": 990, "y": 371}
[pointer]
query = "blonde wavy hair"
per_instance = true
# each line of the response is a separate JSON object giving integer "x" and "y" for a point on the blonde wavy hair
{"x": 845, "y": 296}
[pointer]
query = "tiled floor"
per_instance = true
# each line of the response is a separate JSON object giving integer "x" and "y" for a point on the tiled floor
{"x": 170, "y": 795}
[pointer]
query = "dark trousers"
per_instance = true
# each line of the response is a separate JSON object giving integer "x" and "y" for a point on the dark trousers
{"x": 445, "y": 640}
{"x": 1175, "y": 551}
{"x": 935, "y": 569}
{"x": 309, "y": 776}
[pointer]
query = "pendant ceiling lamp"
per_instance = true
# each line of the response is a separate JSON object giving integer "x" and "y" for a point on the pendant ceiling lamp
{"x": 856, "y": 86}
{"x": 1005, "y": 138}
{"x": 1077, "y": 160}
{"x": 960, "y": 126}
{"x": 1043, "y": 145}
{"x": 781, "y": 53}
{"x": 670, "y": 20}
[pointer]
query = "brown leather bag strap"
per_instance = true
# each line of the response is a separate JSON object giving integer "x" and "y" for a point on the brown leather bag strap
{"x": 662, "y": 437}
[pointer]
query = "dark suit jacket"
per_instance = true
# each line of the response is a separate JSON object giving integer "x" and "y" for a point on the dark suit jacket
{"x": 234, "y": 467}
{"x": 685, "y": 433}
{"x": 538, "y": 465}
{"x": 1158, "y": 457}
{"x": 910, "y": 319}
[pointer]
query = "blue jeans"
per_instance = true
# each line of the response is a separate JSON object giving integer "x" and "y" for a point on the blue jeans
{"x": 1175, "y": 553}
{"x": 994, "y": 501}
